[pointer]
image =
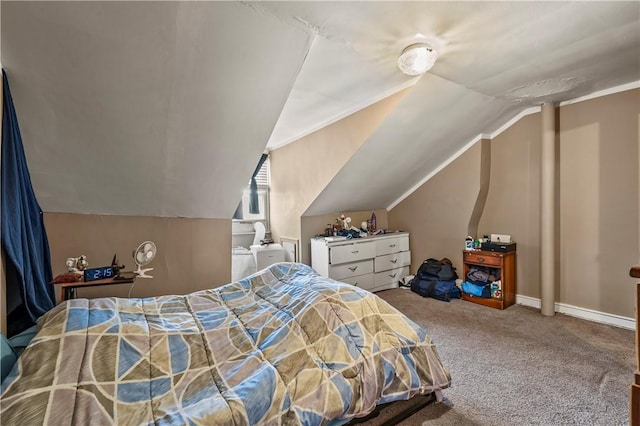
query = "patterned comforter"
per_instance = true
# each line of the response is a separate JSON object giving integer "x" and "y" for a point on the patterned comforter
{"x": 283, "y": 346}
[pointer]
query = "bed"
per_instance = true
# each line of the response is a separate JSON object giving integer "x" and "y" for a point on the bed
{"x": 282, "y": 346}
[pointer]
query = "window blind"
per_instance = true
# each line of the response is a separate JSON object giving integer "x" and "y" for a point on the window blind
{"x": 262, "y": 178}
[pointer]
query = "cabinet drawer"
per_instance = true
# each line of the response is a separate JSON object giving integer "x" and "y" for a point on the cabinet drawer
{"x": 392, "y": 245}
{"x": 351, "y": 252}
{"x": 391, "y": 261}
{"x": 345, "y": 270}
{"x": 391, "y": 276}
{"x": 482, "y": 259}
{"x": 363, "y": 281}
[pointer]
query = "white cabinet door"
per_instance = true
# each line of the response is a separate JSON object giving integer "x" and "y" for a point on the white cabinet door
{"x": 391, "y": 276}
{"x": 352, "y": 252}
{"x": 366, "y": 282}
{"x": 391, "y": 261}
{"x": 345, "y": 270}
{"x": 392, "y": 245}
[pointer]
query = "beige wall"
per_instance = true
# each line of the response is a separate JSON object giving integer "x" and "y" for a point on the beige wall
{"x": 598, "y": 198}
{"x": 598, "y": 208}
{"x": 302, "y": 169}
{"x": 599, "y": 204}
{"x": 485, "y": 179}
{"x": 193, "y": 254}
{"x": 437, "y": 214}
{"x": 314, "y": 225}
{"x": 513, "y": 201}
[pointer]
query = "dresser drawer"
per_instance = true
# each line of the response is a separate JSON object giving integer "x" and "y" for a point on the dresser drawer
{"x": 482, "y": 259}
{"x": 391, "y": 276}
{"x": 391, "y": 261}
{"x": 363, "y": 281}
{"x": 392, "y": 245}
{"x": 351, "y": 252}
{"x": 345, "y": 270}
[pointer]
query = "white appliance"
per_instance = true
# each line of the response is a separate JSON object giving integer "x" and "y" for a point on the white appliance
{"x": 500, "y": 238}
{"x": 243, "y": 263}
{"x": 260, "y": 234}
{"x": 267, "y": 255}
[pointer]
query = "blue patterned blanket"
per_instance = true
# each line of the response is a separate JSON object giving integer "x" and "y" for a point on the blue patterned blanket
{"x": 283, "y": 346}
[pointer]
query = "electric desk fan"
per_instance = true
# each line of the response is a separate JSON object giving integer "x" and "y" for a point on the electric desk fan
{"x": 143, "y": 255}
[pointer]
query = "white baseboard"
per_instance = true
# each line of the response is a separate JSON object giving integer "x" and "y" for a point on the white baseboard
{"x": 582, "y": 313}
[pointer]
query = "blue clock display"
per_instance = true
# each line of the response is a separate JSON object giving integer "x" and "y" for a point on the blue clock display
{"x": 101, "y": 273}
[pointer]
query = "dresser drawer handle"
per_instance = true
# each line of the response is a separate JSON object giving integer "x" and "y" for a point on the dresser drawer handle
{"x": 394, "y": 261}
{"x": 393, "y": 275}
{"x": 392, "y": 245}
{"x": 355, "y": 251}
{"x": 481, "y": 259}
{"x": 352, "y": 269}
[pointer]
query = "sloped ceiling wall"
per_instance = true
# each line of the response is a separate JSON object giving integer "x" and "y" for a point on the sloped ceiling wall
{"x": 496, "y": 60}
{"x": 402, "y": 153}
{"x": 163, "y": 108}
{"x": 149, "y": 108}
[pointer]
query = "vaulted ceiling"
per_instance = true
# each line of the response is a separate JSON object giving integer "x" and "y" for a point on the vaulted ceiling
{"x": 163, "y": 108}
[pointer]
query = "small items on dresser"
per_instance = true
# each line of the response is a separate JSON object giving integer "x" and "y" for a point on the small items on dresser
{"x": 345, "y": 226}
{"x": 69, "y": 277}
{"x": 77, "y": 264}
{"x": 80, "y": 275}
{"x": 496, "y": 289}
{"x": 468, "y": 243}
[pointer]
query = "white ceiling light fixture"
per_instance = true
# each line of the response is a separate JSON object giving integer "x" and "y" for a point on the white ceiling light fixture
{"x": 417, "y": 59}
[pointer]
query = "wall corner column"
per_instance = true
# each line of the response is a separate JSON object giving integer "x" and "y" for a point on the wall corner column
{"x": 547, "y": 210}
{"x": 483, "y": 191}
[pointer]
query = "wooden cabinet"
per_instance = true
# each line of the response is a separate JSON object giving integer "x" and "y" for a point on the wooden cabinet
{"x": 506, "y": 263}
{"x": 374, "y": 263}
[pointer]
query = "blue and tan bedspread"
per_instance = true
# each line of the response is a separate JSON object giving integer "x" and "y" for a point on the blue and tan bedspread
{"x": 283, "y": 346}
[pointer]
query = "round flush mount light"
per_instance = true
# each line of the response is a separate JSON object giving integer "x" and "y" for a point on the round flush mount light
{"x": 417, "y": 59}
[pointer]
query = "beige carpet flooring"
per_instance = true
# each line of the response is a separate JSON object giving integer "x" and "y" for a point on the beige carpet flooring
{"x": 517, "y": 367}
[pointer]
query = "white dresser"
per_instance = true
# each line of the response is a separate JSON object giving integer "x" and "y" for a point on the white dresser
{"x": 373, "y": 263}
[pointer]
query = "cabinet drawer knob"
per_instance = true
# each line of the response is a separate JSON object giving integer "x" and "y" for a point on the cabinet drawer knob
{"x": 481, "y": 259}
{"x": 352, "y": 268}
{"x": 394, "y": 260}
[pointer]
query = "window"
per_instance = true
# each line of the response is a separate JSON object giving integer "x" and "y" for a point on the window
{"x": 242, "y": 212}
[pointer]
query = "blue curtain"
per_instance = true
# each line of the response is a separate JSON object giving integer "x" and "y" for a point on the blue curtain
{"x": 24, "y": 237}
{"x": 254, "y": 205}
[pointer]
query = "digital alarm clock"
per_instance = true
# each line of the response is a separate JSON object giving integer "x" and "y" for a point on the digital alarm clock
{"x": 101, "y": 273}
